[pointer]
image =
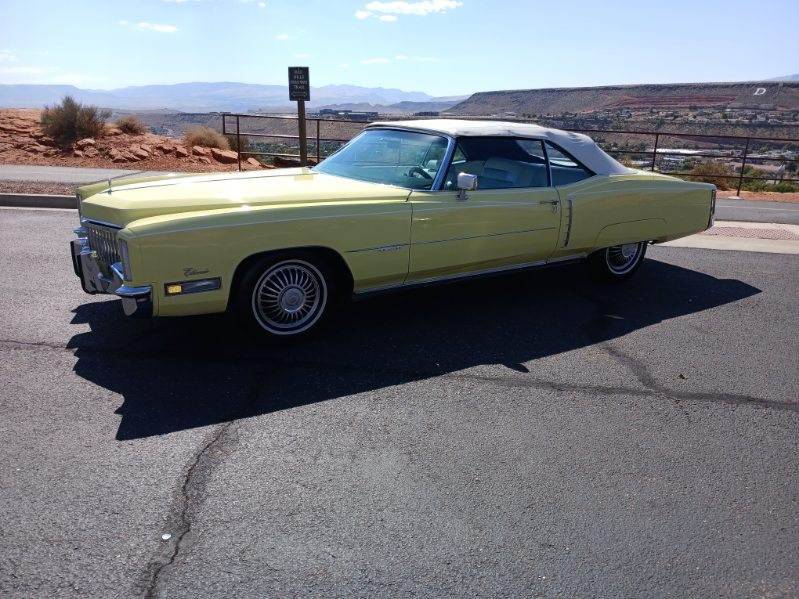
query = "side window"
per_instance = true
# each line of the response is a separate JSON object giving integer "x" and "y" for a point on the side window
{"x": 499, "y": 163}
{"x": 564, "y": 168}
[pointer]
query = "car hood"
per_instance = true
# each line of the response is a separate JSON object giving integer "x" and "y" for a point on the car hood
{"x": 123, "y": 201}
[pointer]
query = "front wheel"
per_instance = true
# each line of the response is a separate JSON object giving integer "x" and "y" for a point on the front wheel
{"x": 619, "y": 262}
{"x": 285, "y": 297}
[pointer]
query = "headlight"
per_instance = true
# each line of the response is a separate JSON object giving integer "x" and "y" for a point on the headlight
{"x": 125, "y": 257}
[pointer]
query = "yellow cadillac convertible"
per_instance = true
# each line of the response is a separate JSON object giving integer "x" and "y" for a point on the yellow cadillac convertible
{"x": 403, "y": 204}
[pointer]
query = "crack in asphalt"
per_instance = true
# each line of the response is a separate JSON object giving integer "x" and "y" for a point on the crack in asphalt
{"x": 190, "y": 495}
{"x": 651, "y": 388}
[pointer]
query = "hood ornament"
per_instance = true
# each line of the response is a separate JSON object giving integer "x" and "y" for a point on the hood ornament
{"x": 109, "y": 186}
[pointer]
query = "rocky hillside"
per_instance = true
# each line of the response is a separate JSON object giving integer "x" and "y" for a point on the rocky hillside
{"x": 23, "y": 142}
{"x": 759, "y": 96}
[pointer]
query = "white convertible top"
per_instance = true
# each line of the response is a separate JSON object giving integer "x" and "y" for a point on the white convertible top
{"x": 582, "y": 147}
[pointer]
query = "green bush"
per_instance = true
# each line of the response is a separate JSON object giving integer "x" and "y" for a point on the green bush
{"x": 712, "y": 172}
{"x": 785, "y": 187}
{"x": 234, "y": 143}
{"x": 131, "y": 124}
{"x": 206, "y": 137}
{"x": 71, "y": 120}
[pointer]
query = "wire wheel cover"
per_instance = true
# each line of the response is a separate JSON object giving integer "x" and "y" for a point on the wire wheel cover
{"x": 289, "y": 297}
{"x": 623, "y": 258}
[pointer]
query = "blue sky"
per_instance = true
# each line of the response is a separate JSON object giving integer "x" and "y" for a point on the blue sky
{"x": 441, "y": 47}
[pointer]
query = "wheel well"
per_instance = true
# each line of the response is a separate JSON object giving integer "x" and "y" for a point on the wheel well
{"x": 327, "y": 255}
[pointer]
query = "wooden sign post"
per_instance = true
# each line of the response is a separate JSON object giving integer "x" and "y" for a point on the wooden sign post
{"x": 300, "y": 92}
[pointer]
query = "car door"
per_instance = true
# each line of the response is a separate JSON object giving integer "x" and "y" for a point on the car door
{"x": 512, "y": 219}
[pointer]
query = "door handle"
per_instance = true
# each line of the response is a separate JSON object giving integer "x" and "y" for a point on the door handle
{"x": 553, "y": 203}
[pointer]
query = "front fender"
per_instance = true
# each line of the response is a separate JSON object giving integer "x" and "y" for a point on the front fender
{"x": 213, "y": 243}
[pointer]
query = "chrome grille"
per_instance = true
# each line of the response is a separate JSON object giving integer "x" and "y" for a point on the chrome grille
{"x": 103, "y": 241}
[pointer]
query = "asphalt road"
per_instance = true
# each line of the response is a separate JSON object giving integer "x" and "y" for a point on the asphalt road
{"x": 532, "y": 435}
{"x": 63, "y": 174}
{"x": 758, "y": 212}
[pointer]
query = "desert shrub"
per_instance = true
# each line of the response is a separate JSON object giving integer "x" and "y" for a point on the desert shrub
{"x": 131, "y": 124}
{"x": 234, "y": 143}
{"x": 71, "y": 120}
{"x": 785, "y": 187}
{"x": 206, "y": 137}
{"x": 712, "y": 172}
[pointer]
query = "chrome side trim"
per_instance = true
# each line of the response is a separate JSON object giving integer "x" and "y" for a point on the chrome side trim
{"x": 102, "y": 223}
{"x": 438, "y": 182}
{"x": 487, "y": 235}
{"x": 570, "y": 203}
{"x": 466, "y": 276}
{"x": 569, "y": 258}
{"x": 391, "y": 247}
{"x": 480, "y": 273}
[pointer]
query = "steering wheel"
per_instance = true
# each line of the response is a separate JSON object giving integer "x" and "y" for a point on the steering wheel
{"x": 418, "y": 170}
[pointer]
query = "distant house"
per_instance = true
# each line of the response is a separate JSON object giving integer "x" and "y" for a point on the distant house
{"x": 350, "y": 115}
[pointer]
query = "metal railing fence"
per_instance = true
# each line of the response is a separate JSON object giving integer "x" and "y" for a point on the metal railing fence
{"x": 744, "y": 154}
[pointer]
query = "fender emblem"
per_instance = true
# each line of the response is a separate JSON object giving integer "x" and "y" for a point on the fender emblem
{"x": 191, "y": 271}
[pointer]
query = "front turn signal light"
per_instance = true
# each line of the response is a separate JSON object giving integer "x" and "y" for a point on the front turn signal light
{"x": 185, "y": 287}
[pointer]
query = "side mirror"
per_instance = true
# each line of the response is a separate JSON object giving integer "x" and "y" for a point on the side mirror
{"x": 467, "y": 182}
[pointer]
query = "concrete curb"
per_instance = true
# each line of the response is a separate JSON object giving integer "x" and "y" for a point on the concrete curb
{"x": 37, "y": 200}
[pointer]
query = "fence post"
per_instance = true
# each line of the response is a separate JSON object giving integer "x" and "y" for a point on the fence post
{"x": 655, "y": 151}
{"x": 318, "y": 144}
{"x": 238, "y": 141}
{"x": 743, "y": 166}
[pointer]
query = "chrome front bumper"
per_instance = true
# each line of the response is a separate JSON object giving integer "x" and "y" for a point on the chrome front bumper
{"x": 136, "y": 301}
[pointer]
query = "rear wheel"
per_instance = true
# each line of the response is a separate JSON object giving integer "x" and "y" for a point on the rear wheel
{"x": 285, "y": 297}
{"x": 619, "y": 262}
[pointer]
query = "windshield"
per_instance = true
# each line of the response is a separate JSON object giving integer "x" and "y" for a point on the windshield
{"x": 402, "y": 158}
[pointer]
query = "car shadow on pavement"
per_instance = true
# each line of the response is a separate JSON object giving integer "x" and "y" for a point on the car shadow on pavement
{"x": 176, "y": 374}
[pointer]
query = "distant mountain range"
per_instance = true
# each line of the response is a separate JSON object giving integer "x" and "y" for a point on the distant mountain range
{"x": 794, "y": 77}
{"x": 198, "y": 97}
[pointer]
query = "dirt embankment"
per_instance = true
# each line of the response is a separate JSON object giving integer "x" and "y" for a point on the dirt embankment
{"x": 23, "y": 142}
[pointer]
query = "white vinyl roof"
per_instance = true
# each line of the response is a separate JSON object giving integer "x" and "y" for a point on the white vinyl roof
{"x": 582, "y": 147}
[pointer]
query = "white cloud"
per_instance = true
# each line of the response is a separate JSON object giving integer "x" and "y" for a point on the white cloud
{"x": 159, "y": 27}
{"x": 262, "y": 5}
{"x": 400, "y": 57}
{"x": 425, "y": 7}
{"x": 344, "y": 65}
{"x": 390, "y": 11}
{"x": 303, "y": 56}
{"x": 145, "y": 26}
{"x": 7, "y": 56}
{"x": 377, "y": 60}
{"x": 282, "y": 37}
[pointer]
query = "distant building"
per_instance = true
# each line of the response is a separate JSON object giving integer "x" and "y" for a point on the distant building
{"x": 350, "y": 115}
{"x": 427, "y": 113}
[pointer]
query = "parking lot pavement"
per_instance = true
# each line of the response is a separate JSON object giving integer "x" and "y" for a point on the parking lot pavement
{"x": 534, "y": 434}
